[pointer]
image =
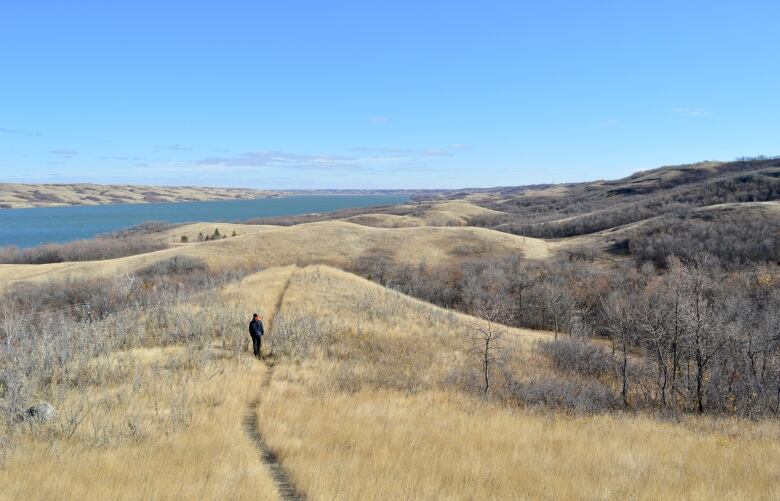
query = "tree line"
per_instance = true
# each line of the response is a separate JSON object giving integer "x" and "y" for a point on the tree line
{"x": 693, "y": 336}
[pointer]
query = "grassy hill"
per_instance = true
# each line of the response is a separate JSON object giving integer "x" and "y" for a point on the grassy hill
{"x": 334, "y": 242}
{"x": 601, "y": 340}
{"x": 369, "y": 394}
{"x": 15, "y": 195}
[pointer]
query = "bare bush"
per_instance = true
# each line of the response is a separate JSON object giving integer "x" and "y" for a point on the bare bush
{"x": 578, "y": 356}
{"x": 81, "y": 250}
{"x": 570, "y": 396}
{"x": 176, "y": 265}
{"x": 695, "y": 335}
{"x": 51, "y": 333}
{"x": 298, "y": 335}
{"x": 146, "y": 228}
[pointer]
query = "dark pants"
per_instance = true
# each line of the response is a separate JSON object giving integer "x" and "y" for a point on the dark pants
{"x": 257, "y": 345}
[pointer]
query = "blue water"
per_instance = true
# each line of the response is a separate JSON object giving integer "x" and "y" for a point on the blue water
{"x": 30, "y": 227}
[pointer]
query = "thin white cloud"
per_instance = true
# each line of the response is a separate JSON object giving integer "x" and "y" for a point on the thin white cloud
{"x": 379, "y": 120}
{"x": 413, "y": 152}
{"x": 692, "y": 112}
{"x": 282, "y": 159}
{"x": 405, "y": 152}
{"x": 120, "y": 158}
{"x": 366, "y": 158}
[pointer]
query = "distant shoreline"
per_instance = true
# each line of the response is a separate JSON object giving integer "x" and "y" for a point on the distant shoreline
{"x": 32, "y": 227}
{"x": 29, "y": 196}
{"x": 33, "y": 196}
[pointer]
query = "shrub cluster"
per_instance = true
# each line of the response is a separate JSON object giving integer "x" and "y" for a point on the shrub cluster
{"x": 563, "y": 395}
{"x": 692, "y": 336}
{"x": 81, "y": 250}
{"x": 577, "y": 355}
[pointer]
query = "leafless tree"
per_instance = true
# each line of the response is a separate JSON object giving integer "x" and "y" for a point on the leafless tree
{"x": 621, "y": 321}
{"x": 488, "y": 346}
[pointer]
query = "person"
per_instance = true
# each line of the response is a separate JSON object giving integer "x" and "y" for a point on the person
{"x": 256, "y": 332}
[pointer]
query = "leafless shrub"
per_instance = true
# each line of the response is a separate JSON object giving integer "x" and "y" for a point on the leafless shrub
{"x": 577, "y": 355}
{"x": 298, "y": 335}
{"x": 489, "y": 220}
{"x": 559, "y": 394}
{"x": 81, "y": 250}
{"x": 176, "y": 265}
{"x": 51, "y": 334}
{"x": 145, "y": 228}
{"x": 474, "y": 248}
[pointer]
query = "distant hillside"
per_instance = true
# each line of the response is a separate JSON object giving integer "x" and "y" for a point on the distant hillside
{"x": 15, "y": 196}
{"x": 637, "y": 184}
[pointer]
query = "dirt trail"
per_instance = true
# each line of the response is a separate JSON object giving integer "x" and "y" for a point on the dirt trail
{"x": 284, "y": 485}
{"x": 280, "y": 299}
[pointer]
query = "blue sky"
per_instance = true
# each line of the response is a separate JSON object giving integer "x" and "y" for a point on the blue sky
{"x": 401, "y": 94}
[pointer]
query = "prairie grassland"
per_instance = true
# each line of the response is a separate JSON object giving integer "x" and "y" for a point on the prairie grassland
{"x": 381, "y": 338}
{"x": 372, "y": 414}
{"x": 329, "y": 242}
{"x": 442, "y": 445}
{"x": 191, "y": 231}
{"x": 152, "y": 424}
{"x": 453, "y": 213}
{"x": 371, "y": 395}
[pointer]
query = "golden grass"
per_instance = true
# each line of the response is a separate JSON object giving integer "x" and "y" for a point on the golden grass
{"x": 361, "y": 305}
{"x": 191, "y": 231}
{"x": 330, "y": 242}
{"x": 366, "y": 440}
{"x": 162, "y": 424}
{"x": 386, "y": 220}
{"x": 452, "y": 213}
{"x": 438, "y": 445}
{"x": 375, "y": 418}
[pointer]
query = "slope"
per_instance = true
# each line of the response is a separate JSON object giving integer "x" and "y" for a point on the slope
{"x": 334, "y": 242}
{"x": 14, "y": 195}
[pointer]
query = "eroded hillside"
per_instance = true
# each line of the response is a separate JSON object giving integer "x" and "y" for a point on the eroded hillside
{"x": 15, "y": 196}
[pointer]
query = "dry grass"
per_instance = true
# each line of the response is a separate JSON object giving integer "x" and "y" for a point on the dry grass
{"x": 454, "y": 213}
{"x": 14, "y": 195}
{"x": 369, "y": 413}
{"x": 158, "y": 424}
{"x": 375, "y": 419}
{"x": 191, "y": 231}
{"x": 389, "y": 445}
{"x": 330, "y": 242}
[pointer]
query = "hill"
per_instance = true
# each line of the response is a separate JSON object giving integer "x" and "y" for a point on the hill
{"x": 334, "y": 242}
{"x": 542, "y": 342}
{"x": 368, "y": 394}
{"x": 13, "y": 195}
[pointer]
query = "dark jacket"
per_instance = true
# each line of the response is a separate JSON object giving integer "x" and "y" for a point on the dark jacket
{"x": 256, "y": 328}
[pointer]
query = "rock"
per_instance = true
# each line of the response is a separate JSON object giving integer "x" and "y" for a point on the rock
{"x": 41, "y": 413}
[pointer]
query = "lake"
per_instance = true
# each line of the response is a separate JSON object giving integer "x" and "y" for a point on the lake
{"x": 31, "y": 227}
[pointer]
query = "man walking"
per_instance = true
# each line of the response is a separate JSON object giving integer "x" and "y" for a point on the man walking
{"x": 256, "y": 332}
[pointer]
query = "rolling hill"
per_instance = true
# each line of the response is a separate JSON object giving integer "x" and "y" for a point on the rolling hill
{"x": 14, "y": 195}
{"x": 333, "y": 242}
{"x": 368, "y": 393}
{"x": 365, "y": 396}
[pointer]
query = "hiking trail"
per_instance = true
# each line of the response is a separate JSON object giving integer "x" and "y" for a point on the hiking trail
{"x": 284, "y": 485}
